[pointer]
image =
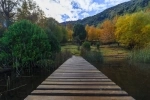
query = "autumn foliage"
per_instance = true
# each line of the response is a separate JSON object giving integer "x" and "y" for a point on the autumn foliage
{"x": 103, "y": 33}
{"x": 133, "y": 30}
{"x": 107, "y": 31}
{"x": 130, "y": 30}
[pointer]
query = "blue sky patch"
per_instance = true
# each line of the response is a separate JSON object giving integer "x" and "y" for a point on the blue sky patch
{"x": 70, "y": 10}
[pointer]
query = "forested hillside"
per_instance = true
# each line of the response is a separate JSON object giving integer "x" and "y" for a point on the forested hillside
{"x": 121, "y": 9}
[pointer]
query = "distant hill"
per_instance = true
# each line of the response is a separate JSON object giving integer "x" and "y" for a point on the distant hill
{"x": 120, "y": 9}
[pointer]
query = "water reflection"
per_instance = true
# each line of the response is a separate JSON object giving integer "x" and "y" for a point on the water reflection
{"x": 134, "y": 78}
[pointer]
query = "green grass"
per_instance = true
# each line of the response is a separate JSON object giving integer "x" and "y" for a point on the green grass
{"x": 72, "y": 48}
{"x": 140, "y": 56}
{"x": 106, "y": 51}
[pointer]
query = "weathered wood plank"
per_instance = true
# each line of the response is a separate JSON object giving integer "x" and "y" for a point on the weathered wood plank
{"x": 80, "y": 92}
{"x": 78, "y": 80}
{"x": 76, "y": 71}
{"x": 77, "y": 77}
{"x": 78, "y": 87}
{"x": 34, "y": 97}
{"x": 78, "y": 83}
{"x": 64, "y": 75}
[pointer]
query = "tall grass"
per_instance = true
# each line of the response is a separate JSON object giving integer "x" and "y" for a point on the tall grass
{"x": 92, "y": 56}
{"x": 140, "y": 56}
{"x": 59, "y": 58}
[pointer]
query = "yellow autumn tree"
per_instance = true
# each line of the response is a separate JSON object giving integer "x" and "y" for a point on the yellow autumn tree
{"x": 69, "y": 28}
{"x": 70, "y": 32}
{"x": 133, "y": 30}
{"x": 98, "y": 33}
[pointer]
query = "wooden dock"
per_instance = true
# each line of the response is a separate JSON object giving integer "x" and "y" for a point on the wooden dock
{"x": 77, "y": 79}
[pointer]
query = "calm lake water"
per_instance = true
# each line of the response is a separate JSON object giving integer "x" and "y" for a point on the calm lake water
{"x": 133, "y": 78}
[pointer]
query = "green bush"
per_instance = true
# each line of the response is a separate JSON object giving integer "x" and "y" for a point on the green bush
{"x": 23, "y": 44}
{"x": 142, "y": 55}
{"x": 86, "y": 45}
{"x": 50, "y": 65}
{"x": 92, "y": 56}
{"x": 98, "y": 45}
{"x": 46, "y": 64}
{"x": 2, "y": 29}
{"x": 55, "y": 45}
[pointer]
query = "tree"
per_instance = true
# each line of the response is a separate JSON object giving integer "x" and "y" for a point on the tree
{"x": 86, "y": 46}
{"x": 87, "y": 28}
{"x": 69, "y": 29}
{"x": 55, "y": 44}
{"x": 133, "y": 30}
{"x": 55, "y": 28}
{"x": 23, "y": 44}
{"x": 92, "y": 36}
{"x": 64, "y": 34}
{"x": 93, "y": 33}
{"x": 107, "y": 31}
{"x": 70, "y": 32}
{"x": 7, "y": 8}
{"x": 30, "y": 11}
{"x": 79, "y": 33}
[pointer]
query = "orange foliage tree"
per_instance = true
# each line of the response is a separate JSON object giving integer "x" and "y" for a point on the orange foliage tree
{"x": 93, "y": 33}
{"x": 107, "y": 31}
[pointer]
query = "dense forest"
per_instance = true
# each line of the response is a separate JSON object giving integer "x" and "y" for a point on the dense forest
{"x": 30, "y": 46}
{"x": 27, "y": 36}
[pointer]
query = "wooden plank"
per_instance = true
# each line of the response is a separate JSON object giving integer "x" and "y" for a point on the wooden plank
{"x": 78, "y": 87}
{"x": 92, "y": 76}
{"x": 76, "y": 71}
{"x": 80, "y": 92}
{"x": 79, "y": 80}
{"x": 77, "y": 77}
{"x": 64, "y": 75}
{"x": 78, "y": 83}
{"x": 35, "y": 97}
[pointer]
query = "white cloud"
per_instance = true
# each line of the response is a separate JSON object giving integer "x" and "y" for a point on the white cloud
{"x": 114, "y": 2}
{"x": 57, "y": 8}
{"x": 85, "y": 14}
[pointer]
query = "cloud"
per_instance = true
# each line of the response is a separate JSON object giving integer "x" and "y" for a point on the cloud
{"x": 114, "y": 2}
{"x": 69, "y": 10}
{"x": 85, "y": 14}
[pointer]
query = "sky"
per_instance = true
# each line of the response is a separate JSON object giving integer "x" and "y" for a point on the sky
{"x": 70, "y": 10}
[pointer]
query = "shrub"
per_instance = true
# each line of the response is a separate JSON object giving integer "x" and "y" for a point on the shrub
{"x": 92, "y": 56}
{"x": 86, "y": 45}
{"x": 55, "y": 45}
{"x": 97, "y": 45}
{"x": 23, "y": 44}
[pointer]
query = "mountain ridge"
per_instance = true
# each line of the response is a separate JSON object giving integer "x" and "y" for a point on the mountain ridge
{"x": 120, "y": 9}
